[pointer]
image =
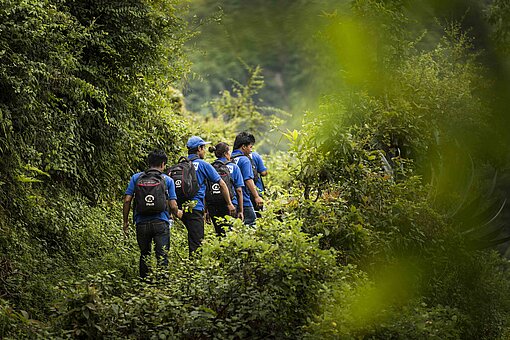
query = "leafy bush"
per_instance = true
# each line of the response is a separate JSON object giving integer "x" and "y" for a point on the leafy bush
{"x": 72, "y": 239}
{"x": 252, "y": 283}
{"x": 474, "y": 283}
{"x": 84, "y": 97}
{"x": 355, "y": 242}
{"x": 414, "y": 320}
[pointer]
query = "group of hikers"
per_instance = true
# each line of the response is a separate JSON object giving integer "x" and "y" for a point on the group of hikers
{"x": 229, "y": 186}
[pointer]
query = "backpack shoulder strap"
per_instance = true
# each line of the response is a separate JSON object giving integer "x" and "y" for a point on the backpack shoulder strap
{"x": 140, "y": 176}
{"x": 238, "y": 155}
{"x": 153, "y": 170}
{"x": 182, "y": 159}
{"x": 193, "y": 158}
{"x": 218, "y": 161}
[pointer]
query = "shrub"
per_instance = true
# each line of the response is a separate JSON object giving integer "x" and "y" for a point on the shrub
{"x": 253, "y": 283}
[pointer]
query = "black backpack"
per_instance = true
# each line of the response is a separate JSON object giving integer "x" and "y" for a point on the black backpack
{"x": 185, "y": 179}
{"x": 213, "y": 194}
{"x": 150, "y": 193}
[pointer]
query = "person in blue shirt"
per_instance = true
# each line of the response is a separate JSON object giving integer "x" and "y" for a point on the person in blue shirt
{"x": 194, "y": 220}
{"x": 222, "y": 152}
{"x": 243, "y": 146}
{"x": 261, "y": 170}
{"x": 152, "y": 227}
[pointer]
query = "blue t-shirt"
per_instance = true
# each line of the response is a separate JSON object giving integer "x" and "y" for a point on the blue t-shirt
{"x": 244, "y": 163}
{"x": 259, "y": 165}
{"x": 165, "y": 215}
{"x": 237, "y": 177}
{"x": 205, "y": 171}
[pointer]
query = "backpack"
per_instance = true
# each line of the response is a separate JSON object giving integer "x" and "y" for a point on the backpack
{"x": 253, "y": 166}
{"x": 151, "y": 193}
{"x": 185, "y": 179}
{"x": 213, "y": 194}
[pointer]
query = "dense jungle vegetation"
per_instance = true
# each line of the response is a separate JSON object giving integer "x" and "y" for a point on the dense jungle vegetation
{"x": 384, "y": 126}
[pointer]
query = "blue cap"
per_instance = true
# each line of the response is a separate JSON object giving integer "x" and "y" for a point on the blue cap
{"x": 195, "y": 141}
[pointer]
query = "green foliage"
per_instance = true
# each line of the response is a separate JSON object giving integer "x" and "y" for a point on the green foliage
{"x": 239, "y": 109}
{"x": 362, "y": 164}
{"x": 18, "y": 324}
{"x": 240, "y": 104}
{"x": 252, "y": 283}
{"x": 360, "y": 237}
{"x": 275, "y": 35}
{"x": 84, "y": 97}
{"x": 78, "y": 81}
{"x": 462, "y": 279}
{"x": 413, "y": 321}
{"x": 497, "y": 15}
{"x": 69, "y": 236}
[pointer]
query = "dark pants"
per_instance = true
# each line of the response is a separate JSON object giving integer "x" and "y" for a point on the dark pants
{"x": 255, "y": 207}
{"x": 219, "y": 211}
{"x": 194, "y": 222}
{"x": 249, "y": 216}
{"x": 257, "y": 211}
{"x": 146, "y": 232}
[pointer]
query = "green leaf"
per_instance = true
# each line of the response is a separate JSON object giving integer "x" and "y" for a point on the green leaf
{"x": 36, "y": 170}
{"x": 26, "y": 179}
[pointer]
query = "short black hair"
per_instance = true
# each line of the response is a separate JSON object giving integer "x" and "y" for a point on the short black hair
{"x": 195, "y": 150}
{"x": 156, "y": 158}
{"x": 243, "y": 138}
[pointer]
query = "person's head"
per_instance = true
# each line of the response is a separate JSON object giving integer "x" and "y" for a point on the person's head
{"x": 196, "y": 145}
{"x": 244, "y": 141}
{"x": 220, "y": 150}
{"x": 157, "y": 159}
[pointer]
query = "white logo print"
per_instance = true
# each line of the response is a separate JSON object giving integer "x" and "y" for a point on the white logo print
{"x": 178, "y": 183}
{"x": 196, "y": 166}
{"x": 215, "y": 187}
{"x": 149, "y": 198}
{"x": 230, "y": 168}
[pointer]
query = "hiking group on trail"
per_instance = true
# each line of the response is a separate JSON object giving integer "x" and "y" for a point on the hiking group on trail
{"x": 191, "y": 189}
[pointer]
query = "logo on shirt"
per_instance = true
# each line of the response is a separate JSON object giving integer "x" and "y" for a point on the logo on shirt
{"x": 230, "y": 168}
{"x": 195, "y": 165}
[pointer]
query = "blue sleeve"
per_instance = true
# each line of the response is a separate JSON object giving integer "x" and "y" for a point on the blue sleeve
{"x": 171, "y": 188}
{"x": 245, "y": 165}
{"x": 237, "y": 177}
{"x": 131, "y": 186}
{"x": 259, "y": 163}
{"x": 210, "y": 173}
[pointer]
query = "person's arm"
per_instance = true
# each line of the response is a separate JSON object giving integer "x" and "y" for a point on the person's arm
{"x": 259, "y": 163}
{"x": 253, "y": 189}
{"x": 226, "y": 195}
{"x": 125, "y": 213}
{"x": 247, "y": 171}
{"x": 172, "y": 199}
{"x": 240, "y": 202}
{"x": 174, "y": 209}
